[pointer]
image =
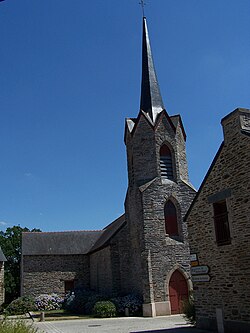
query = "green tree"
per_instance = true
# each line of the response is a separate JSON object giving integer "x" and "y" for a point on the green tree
{"x": 10, "y": 242}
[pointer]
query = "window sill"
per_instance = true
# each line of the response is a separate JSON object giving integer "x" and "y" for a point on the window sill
{"x": 167, "y": 180}
{"x": 228, "y": 242}
{"x": 176, "y": 238}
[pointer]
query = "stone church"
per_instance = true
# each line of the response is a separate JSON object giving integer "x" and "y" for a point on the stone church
{"x": 145, "y": 251}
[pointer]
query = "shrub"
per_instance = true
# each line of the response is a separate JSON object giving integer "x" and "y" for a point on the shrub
{"x": 16, "y": 327}
{"x": 20, "y": 305}
{"x": 104, "y": 309}
{"x": 188, "y": 309}
{"x": 68, "y": 301}
{"x": 92, "y": 300}
{"x": 82, "y": 301}
{"x": 132, "y": 302}
{"x": 76, "y": 300}
{"x": 48, "y": 302}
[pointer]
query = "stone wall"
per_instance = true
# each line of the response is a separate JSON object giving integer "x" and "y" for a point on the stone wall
{"x": 142, "y": 148}
{"x": 101, "y": 272}
{"x": 2, "y": 298}
{"x": 46, "y": 274}
{"x": 166, "y": 252}
{"x": 123, "y": 283}
{"x": 115, "y": 269}
{"x": 228, "y": 179}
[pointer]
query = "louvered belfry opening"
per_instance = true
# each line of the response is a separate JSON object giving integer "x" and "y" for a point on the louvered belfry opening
{"x": 166, "y": 163}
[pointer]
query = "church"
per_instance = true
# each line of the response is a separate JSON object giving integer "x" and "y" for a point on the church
{"x": 145, "y": 251}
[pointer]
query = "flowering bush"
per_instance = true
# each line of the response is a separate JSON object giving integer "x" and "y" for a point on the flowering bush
{"x": 82, "y": 301}
{"x": 69, "y": 301}
{"x": 132, "y": 302}
{"x": 48, "y": 302}
{"x": 76, "y": 300}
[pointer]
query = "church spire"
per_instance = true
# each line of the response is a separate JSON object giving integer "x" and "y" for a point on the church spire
{"x": 151, "y": 100}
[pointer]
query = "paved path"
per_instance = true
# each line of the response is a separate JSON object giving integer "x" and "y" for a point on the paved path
{"x": 169, "y": 324}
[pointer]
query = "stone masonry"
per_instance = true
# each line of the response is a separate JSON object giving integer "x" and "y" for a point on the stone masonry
{"x": 101, "y": 278}
{"x": 228, "y": 179}
{"x": 47, "y": 274}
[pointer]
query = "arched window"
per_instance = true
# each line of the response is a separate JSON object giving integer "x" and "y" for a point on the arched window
{"x": 171, "y": 223}
{"x": 166, "y": 163}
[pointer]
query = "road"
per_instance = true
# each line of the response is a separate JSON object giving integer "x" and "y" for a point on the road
{"x": 168, "y": 324}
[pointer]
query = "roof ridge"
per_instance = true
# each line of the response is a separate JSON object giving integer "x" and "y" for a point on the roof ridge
{"x": 57, "y": 232}
{"x": 107, "y": 226}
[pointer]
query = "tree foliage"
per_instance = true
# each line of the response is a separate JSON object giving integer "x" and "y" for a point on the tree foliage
{"x": 10, "y": 242}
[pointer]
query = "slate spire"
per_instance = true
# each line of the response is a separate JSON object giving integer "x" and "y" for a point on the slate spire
{"x": 151, "y": 100}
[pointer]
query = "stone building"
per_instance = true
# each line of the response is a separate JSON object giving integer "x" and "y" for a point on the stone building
{"x": 2, "y": 293}
{"x": 145, "y": 251}
{"x": 219, "y": 232}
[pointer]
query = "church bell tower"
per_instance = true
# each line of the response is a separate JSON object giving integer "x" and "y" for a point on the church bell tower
{"x": 158, "y": 196}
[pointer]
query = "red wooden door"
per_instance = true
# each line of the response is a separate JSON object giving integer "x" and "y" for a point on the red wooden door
{"x": 178, "y": 291}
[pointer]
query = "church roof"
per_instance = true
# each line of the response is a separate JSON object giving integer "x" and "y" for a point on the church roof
{"x": 2, "y": 256}
{"x": 69, "y": 242}
{"x": 58, "y": 243}
{"x": 151, "y": 100}
{"x": 109, "y": 232}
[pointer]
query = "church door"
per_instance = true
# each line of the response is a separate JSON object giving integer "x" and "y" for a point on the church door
{"x": 178, "y": 291}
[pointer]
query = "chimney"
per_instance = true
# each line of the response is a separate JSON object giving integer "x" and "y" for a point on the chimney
{"x": 236, "y": 123}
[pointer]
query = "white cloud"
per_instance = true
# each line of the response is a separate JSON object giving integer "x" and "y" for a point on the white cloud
{"x": 28, "y": 174}
{"x": 3, "y": 223}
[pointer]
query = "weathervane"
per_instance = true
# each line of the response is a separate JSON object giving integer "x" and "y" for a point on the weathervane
{"x": 143, "y": 4}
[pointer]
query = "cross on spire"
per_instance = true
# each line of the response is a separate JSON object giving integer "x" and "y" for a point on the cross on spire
{"x": 143, "y": 4}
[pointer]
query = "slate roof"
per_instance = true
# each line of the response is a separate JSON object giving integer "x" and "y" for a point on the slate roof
{"x": 109, "y": 232}
{"x": 151, "y": 100}
{"x": 58, "y": 243}
{"x": 69, "y": 242}
{"x": 2, "y": 256}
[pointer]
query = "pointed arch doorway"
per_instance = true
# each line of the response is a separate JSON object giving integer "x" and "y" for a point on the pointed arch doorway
{"x": 178, "y": 291}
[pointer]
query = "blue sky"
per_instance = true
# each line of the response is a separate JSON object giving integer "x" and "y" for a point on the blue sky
{"x": 70, "y": 74}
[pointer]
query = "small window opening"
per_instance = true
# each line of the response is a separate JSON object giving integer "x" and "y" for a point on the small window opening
{"x": 69, "y": 286}
{"x": 221, "y": 224}
{"x": 166, "y": 163}
{"x": 171, "y": 223}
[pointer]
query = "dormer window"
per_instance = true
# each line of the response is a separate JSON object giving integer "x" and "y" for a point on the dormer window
{"x": 166, "y": 164}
